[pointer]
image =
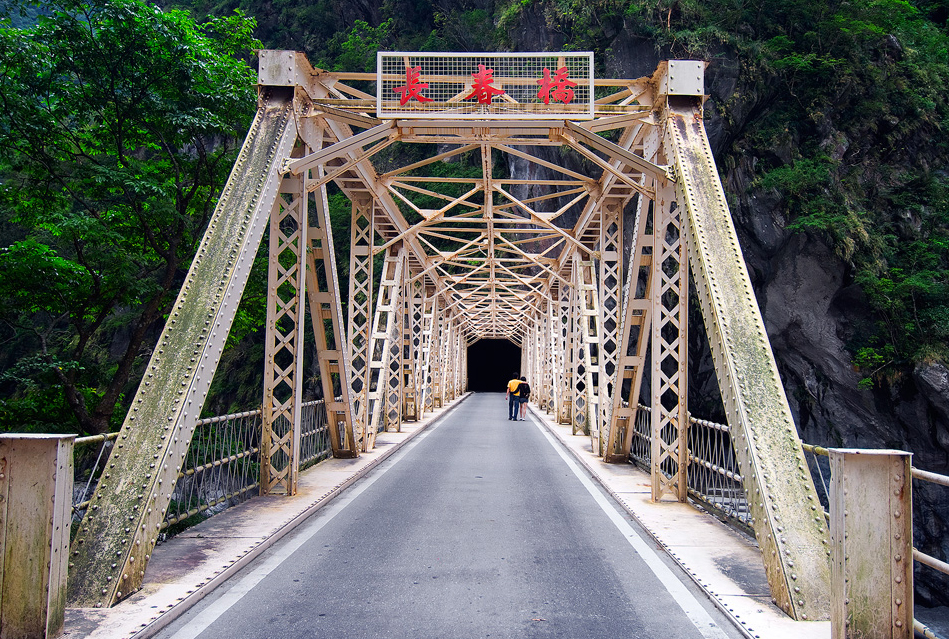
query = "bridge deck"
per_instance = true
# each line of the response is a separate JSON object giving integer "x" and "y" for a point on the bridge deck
{"x": 479, "y": 527}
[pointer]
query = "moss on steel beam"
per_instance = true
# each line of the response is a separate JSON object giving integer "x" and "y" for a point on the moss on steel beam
{"x": 787, "y": 517}
{"x": 120, "y": 528}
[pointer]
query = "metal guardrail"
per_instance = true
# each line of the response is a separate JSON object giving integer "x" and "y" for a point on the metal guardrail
{"x": 918, "y": 555}
{"x": 314, "y": 436}
{"x": 714, "y": 480}
{"x": 713, "y": 475}
{"x": 640, "y": 450}
{"x": 221, "y": 469}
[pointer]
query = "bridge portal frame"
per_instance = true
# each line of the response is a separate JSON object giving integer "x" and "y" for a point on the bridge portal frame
{"x": 506, "y": 261}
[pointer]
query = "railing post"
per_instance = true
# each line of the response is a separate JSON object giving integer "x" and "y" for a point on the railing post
{"x": 871, "y": 511}
{"x": 36, "y": 478}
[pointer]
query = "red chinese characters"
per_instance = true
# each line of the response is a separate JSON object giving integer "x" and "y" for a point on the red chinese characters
{"x": 482, "y": 88}
{"x": 412, "y": 88}
{"x": 558, "y": 88}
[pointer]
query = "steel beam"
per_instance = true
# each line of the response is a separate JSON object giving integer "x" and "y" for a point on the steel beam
{"x": 780, "y": 490}
{"x": 117, "y": 534}
{"x": 283, "y": 361}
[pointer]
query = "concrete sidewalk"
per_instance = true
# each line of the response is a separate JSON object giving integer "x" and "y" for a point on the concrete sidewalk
{"x": 726, "y": 564}
{"x": 190, "y": 565}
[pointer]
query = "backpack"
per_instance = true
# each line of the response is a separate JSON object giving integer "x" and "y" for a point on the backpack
{"x": 524, "y": 390}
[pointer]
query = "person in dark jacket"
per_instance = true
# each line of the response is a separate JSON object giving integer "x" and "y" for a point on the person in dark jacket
{"x": 523, "y": 394}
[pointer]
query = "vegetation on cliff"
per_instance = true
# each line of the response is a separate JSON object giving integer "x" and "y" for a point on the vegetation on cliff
{"x": 120, "y": 121}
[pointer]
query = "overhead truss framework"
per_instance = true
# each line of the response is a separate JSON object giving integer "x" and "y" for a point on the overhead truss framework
{"x": 582, "y": 266}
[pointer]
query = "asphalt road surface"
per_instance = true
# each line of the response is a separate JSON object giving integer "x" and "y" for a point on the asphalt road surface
{"x": 480, "y": 527}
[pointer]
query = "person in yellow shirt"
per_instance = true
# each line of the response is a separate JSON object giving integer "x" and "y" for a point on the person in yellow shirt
{"x": 512, "y": 402}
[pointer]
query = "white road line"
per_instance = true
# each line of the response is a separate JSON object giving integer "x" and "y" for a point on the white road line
{"x": 282, "y": 552}
{"x": 689, "y": 604}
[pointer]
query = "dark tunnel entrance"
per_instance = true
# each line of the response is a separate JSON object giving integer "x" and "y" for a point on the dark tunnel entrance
{"x": 491, "y": 363}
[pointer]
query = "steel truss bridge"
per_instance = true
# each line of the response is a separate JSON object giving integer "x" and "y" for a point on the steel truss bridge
{"x": 438, "y": 262}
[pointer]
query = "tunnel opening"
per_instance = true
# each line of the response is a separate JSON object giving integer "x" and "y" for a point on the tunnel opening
{"x": 491, "y": 363}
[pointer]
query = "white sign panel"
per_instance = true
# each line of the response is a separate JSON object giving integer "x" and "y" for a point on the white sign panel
{"x": 484, "y": 86}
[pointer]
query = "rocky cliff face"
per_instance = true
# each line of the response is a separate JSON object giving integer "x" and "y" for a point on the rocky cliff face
{"x": 812, "y": 309}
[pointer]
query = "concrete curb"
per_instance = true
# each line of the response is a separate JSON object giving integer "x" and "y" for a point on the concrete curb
{"x": 166, "y": 618}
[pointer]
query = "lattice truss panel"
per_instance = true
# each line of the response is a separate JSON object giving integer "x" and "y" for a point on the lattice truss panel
{"x": 360, "y": 309}
{"x": 413, "y": 385}
{"x": 633, "y": 339}
{"x": 670, "y": 322}
{"x": 280, "y": 442}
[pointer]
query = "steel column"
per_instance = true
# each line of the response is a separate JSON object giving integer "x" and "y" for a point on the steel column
{"x": 360, "y": 318}
{"x": 439, "y": 338}
{"x": 634, "y": 338}
{"x": 326, "y": 316}
{"x": 567, "y": 356}
{"x": 412, "y": 350}
{"x": 283, "y": 361}
{"x": 426, "y": 376}
{"x": 385, "y": 333}
{"x": 610, "y": 282}
{"x": 581, "y": 402}
{"x": 670, "y": 288}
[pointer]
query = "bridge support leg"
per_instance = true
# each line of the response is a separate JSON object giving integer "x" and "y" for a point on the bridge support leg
{"x": 451, "y": 356}
{"x": 425, "y": 373}
{"x": 670, "y": 330}
{"x": 326, "y": 315}
{"x": 549, "y": 359}
{"x": 591, "y": 352}
{"x": 774, "y": 472}
{"x": 565, "y": 344}
{"x": 439, "y": 337}
{"x": 283, "y": 360}
{"x": 634, "y": 333}
{"x": 114, "y": 541}
{"x": 610, "y": 280}
{"x": 457, "y": 361}
{"x": 871, "y": 512}
{"x": 580, "y": 403}
{"x": 362, "y": 234}
{"x": 384, "y": 399}
{"x": 412, "y": 349}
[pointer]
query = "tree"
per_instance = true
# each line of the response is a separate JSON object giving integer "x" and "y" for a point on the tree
{"x": 117, "y": 131}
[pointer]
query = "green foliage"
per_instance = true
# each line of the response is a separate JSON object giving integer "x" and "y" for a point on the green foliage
{"x": 356, "y": 49}
{"x": 841, "y": 109}
{"x": 117, "y": 131}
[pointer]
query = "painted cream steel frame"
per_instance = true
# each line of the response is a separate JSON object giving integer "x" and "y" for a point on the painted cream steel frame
{"x": 494, "y": 255}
